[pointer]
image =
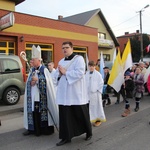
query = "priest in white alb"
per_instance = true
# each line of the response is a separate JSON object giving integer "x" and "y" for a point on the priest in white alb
{"x": 71, "y": 96}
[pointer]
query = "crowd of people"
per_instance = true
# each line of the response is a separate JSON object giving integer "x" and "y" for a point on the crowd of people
{"x": 72, "y": 99}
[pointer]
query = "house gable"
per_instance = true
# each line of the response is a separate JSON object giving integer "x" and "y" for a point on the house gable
{"x": 96, "y": 22}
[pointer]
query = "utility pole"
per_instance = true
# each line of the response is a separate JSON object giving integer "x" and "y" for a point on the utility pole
{"x": 141, "y": 35}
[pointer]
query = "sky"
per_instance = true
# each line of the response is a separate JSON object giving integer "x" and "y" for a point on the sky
{"x": 121, "y": 15}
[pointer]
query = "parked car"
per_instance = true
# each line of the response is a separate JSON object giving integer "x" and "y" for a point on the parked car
{"x": 12, "y": 79}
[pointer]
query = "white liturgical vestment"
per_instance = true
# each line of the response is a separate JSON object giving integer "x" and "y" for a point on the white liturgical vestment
{"x": 95, "y": 85}
{"x": 71, "y": 89}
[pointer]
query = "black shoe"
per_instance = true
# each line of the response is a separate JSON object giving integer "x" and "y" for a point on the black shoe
{"x": 117, "y": 102}
{"x": 88, "y": 137}
{"x": 37, "y": 134}
{"x": 26, "y": 133}
{"x": 136, "y": 109}
{"x": 108, "y": 103}
{"x": 62, "y": 142}
{"x": 104, "y": 103}
{"x": 148, "y": 94}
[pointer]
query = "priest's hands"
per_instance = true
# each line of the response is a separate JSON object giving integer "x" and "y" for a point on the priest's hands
{"x": 62, "y": 69}
{"x": 33, "y": 83}
{"x": 34, "y": 80}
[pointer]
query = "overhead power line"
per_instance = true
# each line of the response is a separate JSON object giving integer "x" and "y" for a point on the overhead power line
{"x": 124, "y": 21}
{"x": 126, "y": 28}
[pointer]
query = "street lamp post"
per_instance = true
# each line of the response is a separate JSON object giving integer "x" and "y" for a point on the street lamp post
{"x": 141, "y": 40}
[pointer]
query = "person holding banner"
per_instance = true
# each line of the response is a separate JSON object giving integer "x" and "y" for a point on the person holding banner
{"x": 40, "y": 110}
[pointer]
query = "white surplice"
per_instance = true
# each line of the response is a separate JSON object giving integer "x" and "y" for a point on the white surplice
{"x": 52, "y": 73}
{"x": 71, "y": 89}
{"x": 51, "y": 100}
{"x": 95, "y": 86}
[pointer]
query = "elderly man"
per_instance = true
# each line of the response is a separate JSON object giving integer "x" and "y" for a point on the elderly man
{"x": 142, "y": 65}
{"x": 71, "y": 96}
{"x": 40, "y": 110}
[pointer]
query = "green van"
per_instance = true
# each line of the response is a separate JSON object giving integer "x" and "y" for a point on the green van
{"x": 12, "y": 79}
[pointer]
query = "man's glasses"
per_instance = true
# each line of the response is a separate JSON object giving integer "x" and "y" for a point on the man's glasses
{"x": 65, "y": 47}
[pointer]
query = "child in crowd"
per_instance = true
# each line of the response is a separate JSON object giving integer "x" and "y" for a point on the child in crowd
{"x": 106, "y": 88}
{"x": 95, "y": 86}
{"x": 128, "y": 88}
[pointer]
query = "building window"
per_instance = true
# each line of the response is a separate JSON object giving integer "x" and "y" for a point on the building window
{"x": 3, "y": 44}
{"x": 101, "y": 35}
{"x": 106, "y": 57}
{"x": 80, "y": 51}
{"x": 7, "y": 47}
{"x": 46, "y": 52}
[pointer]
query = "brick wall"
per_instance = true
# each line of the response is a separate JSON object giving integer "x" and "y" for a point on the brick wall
{"x": 36, "y": 21}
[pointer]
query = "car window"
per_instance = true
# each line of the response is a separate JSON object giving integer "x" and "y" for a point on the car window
{"x": 10, "y": 66}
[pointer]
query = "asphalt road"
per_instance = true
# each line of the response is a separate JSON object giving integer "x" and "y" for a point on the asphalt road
{"x": 130, "y": 133}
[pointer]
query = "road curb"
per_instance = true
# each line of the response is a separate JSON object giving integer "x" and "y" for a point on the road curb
{"x": 10, "y": 111}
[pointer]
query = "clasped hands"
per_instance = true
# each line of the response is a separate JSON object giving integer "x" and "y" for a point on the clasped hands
{"x": 34, "y": 80}
{"x": 62, "y": 70}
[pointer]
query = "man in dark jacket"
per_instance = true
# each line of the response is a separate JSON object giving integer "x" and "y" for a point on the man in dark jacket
{"x": 105, "y": 95}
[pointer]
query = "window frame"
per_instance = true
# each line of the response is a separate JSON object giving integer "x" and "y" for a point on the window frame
{"x": 29, "y": 48}
{"x": 7, "y": 48}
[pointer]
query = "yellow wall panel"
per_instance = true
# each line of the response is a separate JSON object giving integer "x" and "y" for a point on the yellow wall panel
{"x": 33, "y": 30}
{"x": 7, "y": 5}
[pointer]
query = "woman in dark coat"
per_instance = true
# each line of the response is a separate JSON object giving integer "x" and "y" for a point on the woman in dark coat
{"x": 139, "y": 86}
